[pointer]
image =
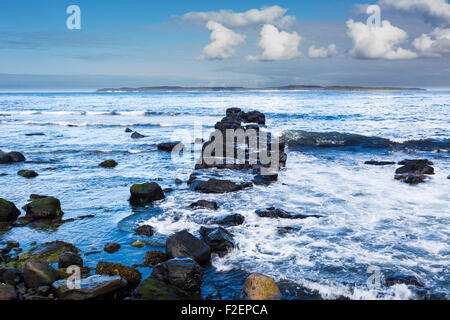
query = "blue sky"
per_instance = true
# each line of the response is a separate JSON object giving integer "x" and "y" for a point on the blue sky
{"x": 148, "y": 43}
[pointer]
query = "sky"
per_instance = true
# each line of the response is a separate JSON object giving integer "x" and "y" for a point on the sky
{"x": 249, "y": 43}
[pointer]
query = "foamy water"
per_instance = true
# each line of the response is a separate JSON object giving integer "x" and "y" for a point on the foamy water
{"x": 369, "y": 219}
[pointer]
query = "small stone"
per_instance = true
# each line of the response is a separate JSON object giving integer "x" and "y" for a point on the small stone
{"x": 211, "y": 205}
{"x": 178, "y": 181}
{"x": 145, "y": 230}
{"x": 111, "y": 247}
{"x": 137, "y": 135}
{"x": 108, "y": 164}
{"x": 28, "y": 173}
{"x": 138, "y": 244}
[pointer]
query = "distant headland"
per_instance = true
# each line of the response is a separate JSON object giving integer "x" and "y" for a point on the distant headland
{"x": 240, "y": 89}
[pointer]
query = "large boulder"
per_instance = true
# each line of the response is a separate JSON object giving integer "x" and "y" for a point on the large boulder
{"x": 184, "y": 273}
{"x": 68, "y": 259}
{"x": 184, "y": 244}
{"x": 11, "y": 157}
{"x": 8, "y": 211}
{"x": 47, "y": 252}
{"x": 229, "y": 220}
{"x": 46, "y": 208}
{"x": 91, "y": 287}
{"x": 11, "y": 276}
{"x": 143, "y": 194}
{"x": 260, "y": 287}
{"x": 205, "y": 204}
{"x": 7, "y": 292}
{"x": 37, "y": 274}
{"x": 219, "y": 240}
{"x": 132, "y": 276}
{"x": 154, "y": 289}
{"x": 218, "y": 186}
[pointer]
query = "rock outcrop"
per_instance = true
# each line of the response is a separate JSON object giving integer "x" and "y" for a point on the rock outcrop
{"x": 184, "y": 244}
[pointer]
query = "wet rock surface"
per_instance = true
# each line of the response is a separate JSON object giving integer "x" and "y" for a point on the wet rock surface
{"x": 27, "y": 173}
{"x": 229, "y": 220}
{"x": 205, "y": 204}
{"x": 68, "y": 259}
{"x": 108, "y": 164}
{"x": 184, "y": 244}
{"x": 414, "y": 171}
{"x": 11, "y": 157}
{"x": 8, "y": 211}
{"x": 146, "y": 193}
{"x": 282, "y": 214}
{"x": 219, "y": 240}
{"x": 260, "y": 287}
{"x": 37, "y": 274}
{"x": 46, "y": 208}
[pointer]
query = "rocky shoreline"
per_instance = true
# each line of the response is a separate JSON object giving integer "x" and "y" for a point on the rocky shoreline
{"x": 46, "y": 271}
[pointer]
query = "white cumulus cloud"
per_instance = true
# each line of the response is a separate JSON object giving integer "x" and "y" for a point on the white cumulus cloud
{"x": 223, "y": 41}
{"x": 434, "y": 11}
{"x": 322, "y": 52}
{"x": 277, "y": 45}
{"x": 434, "y": 45}
{"x": 378, "y": 43}
{"x": 266, "y": 15}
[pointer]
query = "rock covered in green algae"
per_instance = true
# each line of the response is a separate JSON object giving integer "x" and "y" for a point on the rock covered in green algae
{"x": 8, "y": 211}
{"x": 132, "y": 276}
{"x": 146, "y": 193}
{"x": 138, "y": 244}
{"x": 89, "y": 288}
{"x": 46, "y": 208}
{"x": 153, "y": 289}
{"x": 108, "y": 164}
{"x": 28, "y": 173}
{"x": 46, "y": 252}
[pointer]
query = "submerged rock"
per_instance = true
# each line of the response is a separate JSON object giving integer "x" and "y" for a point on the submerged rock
{"x": 137, "y": 135}
{"x": 47, "y": 208}
{"x": 8, "y": 211}
{"x": 219, "y": 240}
{"x": 28, "y": 173}
{"x": 89, "y": 288}
{"x": 229, "y": 220}
{"x": 170, "y": 146}
{"x": 260, "y": 287}
{"x": 218, "y": 186}
{"x": 379, "y": 163}
{"x": 265, "y": 180}
{"x": 411, "y": 178}
{"x": 154, "y": 289}
{"x": 145, "y": 230}
{"x": 11, "y": 157}
{"x": 37, "y": 273}
{"x": 68, "y": 259}
{"x": 282, "y": 214}
{"x": 138, "y": 244}
{"x": 402, "y": 279}
{"x": 111, "y": 247}
{"x": 153, "y": 258}
{"x": 143, "y": 194}
{"x": 108, "y": 164}
{"x": 183, "y": 273}
{"x": 132, "y": 276}
{"x": 211, "y": 205}
{"x": 417, "y": 167}
{"x": 178, "y": 181}
{"x": 184, "y": 244}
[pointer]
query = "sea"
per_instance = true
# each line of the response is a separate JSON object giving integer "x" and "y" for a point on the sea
{"x": 372, "y": 226}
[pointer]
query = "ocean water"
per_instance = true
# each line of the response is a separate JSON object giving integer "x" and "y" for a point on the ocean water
{"x": 371, "y": 221}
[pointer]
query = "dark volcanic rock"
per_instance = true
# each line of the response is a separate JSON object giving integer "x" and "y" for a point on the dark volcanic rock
{"x": 265, "y": 180}
{"x": 254, "y": 117}
{"x": 11, "y": 276}
{"x": 170, "y": 146}
{"x": 92, "y": 287}
{"x": 379, "y": 163}
{"x": 402, "y": 279}
{"x": 184, "y": 244}
{"x": 128, "y": 130}
{"x": 418, "y": 167}
{"x": 108, "y": 164}
{"x": 8, "y": 211}
{"x": 211, "y": 205}
{"x": 35, "y": 134}
{"x": 219, "y": 240}
{"x": 145, "y": 230}
{"x": 36, "y": 197}
{"x": 68, "y": 259}
{"x": 282, "y": 214}
{"x": 218, "y": 186}
{"x": 143, "y": 194}
{"x": 411, "y": 178}
{"x": 28, "y": 173}
{"x": 183, "y": 273}
{"x": 229, "y": 220}
{"x": 47, "y": 208}
{"x": 111, "y": 247}
{"x": 11, "y": 157}
{"x": 136, "y": 135}
{"x": 37, "y": 273}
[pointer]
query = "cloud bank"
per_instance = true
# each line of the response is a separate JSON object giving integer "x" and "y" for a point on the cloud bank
{"x": 323, "y": 52}
{"x": 436, "y": 12}
{"x": 435, "y": 45}
{"x": 277, "y": 45}
{"x": 378, "y": 43}
{"x": 223, "y": 41}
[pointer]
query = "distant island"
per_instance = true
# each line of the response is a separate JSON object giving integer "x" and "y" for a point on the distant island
{"x": 240, "y": 89}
